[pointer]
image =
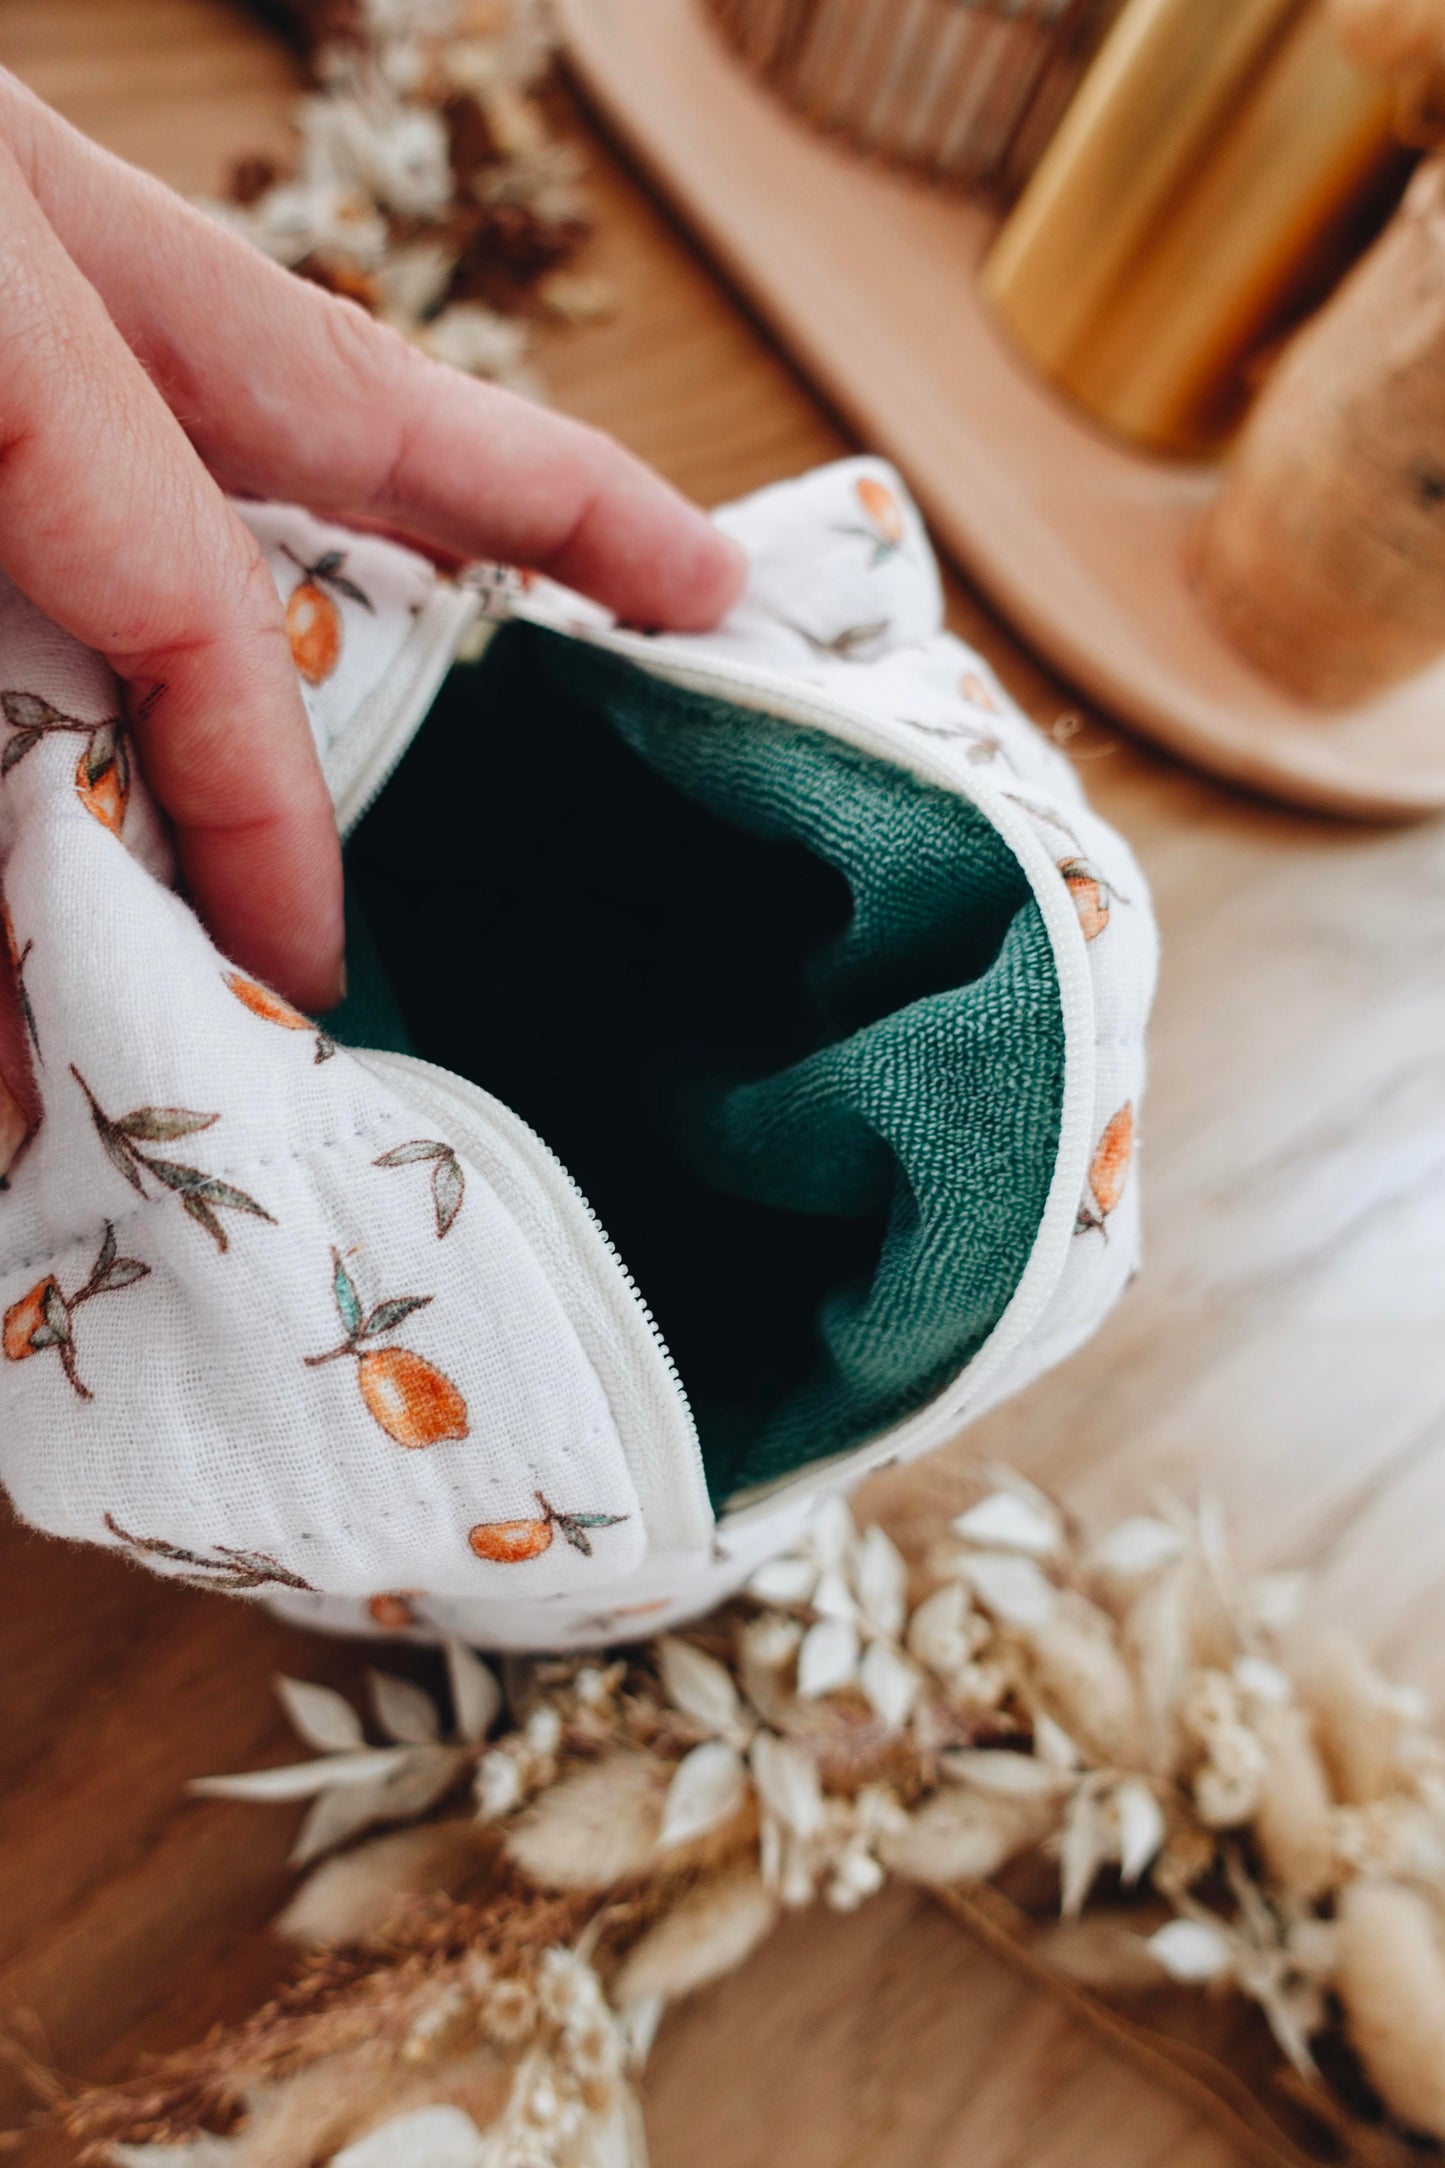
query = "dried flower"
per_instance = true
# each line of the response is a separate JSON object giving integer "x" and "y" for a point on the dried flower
{"x": 423, "y": 183}
{"x": 1113, "y": 1707}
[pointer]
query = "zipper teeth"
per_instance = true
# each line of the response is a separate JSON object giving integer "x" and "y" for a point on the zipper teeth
{"x": 445, "y": 1084}
{"x": 643, "y": 1306}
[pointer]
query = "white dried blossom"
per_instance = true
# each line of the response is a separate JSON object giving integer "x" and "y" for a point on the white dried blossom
{"x": 388, "y": 151}
{"x": 1228, "y": 1782}
{"x": 769, "y": 1642}
{"x": 1140, "y": 1710}
{"x": 703, "y": 1690}
{"x": 855, "y": 1874}
{"x": 309, "y": 218}
{"x": 788, "y": 1784}
{"x": 321, "y": 1716}
{"x": 1014, "y": 1775}
{"x": 1262, "y": 1684}
{"x": 1136, "y": 1547}
{"x": 708, "y": 1788}
{"x": 1052, "y": 1744}
{"x": 543, "y": 1730}
{"x": 500, "y": 1787}
{"x": 509, "y": 2012}
{"x": 787, "y": 1580}
{"x": 1007, "y": 1522}
{"x": 478, "y": 341}
{"x": 890, "y": 1684}
{"x": 1139, "y": 1821}
{"x": 946, "y": 1634}
{"x": 1191, "y": 1951}
{"x": 832, "y": 1538}
{"x": 828, "y": 1658}
{"x": 1011, "y": 1587}
{"x": 880, "y": 1579}
{"x": 833, "y": 1597}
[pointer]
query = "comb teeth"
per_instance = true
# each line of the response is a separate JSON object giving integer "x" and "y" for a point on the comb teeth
{"x": 966, "y": 91}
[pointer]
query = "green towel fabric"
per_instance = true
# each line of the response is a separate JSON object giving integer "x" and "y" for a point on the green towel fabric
{"x": 788, "y": 1014}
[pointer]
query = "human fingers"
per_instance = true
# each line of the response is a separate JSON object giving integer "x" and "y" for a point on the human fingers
{"x": 110, "y": 523}
{"x": 288, "y": 391}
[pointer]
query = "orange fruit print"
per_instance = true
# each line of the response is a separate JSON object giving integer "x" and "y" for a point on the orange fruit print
{"x": 413, "y": 1402}
{"x": 262, "y": 1002}
{"x": 977, "y": 693}
{"x": 1090, "y": 892}
{"x": 1109, "y": 1170}
{"x": 102, "y": 773}
{"x": 416, "y": 1404}
{"x": 102, "y": 778}
{"x": 393, "y": 1610}
{"x": 512, "y": 1543}
{"x": 313, "y": 622}
{"x": 313, "y": 627}
{"x": 273, "y": 1010}
{"x": 24, "y": 1320}
{"x": 45, "y": 1317}
{"x": 883, "y": 510}
{"x": 884, "y": 516}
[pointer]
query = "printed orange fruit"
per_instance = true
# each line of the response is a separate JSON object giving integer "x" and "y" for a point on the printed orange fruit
{"x": 273, "y": 1010}
{"x": 415, "y": 1403}
{"x": 45, "y": 1318}
{"x": 26, "y": 1317}
{"x": 1110, "y": 1169}
{"x": 104, "y": 795}
{"x": 882, "y": 508}
{"x": 262, "y": 1002}
{"x": 313, "y": 622}
{"x": 313, "y": 627}
{"x": 1091, "y": 896}
{"x": 393, "y": 1610}
{"x": 509, "y": 1543}
{"x": 977, "y": 693}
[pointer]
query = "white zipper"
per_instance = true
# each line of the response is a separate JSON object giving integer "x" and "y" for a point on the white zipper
{"x": 362, "y": 759}
{"x": 766, "y": 692}
{"x": 644, "y": 1390}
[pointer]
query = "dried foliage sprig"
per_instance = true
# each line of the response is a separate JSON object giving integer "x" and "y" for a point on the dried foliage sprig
{"x": 426, "y": 184}
{"x": 1221, "y": 1797}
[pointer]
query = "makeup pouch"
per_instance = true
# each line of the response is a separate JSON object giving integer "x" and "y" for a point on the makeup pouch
{"x": 737, "y": 1089}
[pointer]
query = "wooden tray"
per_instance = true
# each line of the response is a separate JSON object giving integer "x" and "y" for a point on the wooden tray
{"x": 867, "y": 276}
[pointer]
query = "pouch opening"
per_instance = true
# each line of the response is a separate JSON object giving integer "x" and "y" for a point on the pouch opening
{"x": 788, "y": 1014}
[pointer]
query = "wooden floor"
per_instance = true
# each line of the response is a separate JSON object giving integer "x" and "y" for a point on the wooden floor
{"x": 1283, "y": 1347}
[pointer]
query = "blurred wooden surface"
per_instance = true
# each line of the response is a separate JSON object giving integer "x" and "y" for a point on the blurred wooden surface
{"x": 1283, "y": 1347}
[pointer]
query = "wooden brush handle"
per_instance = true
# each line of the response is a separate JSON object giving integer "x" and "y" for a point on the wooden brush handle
{"x": 1323, "y": 559}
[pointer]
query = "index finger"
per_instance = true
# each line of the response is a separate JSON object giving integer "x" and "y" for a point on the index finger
{"x": 288, "y": 391}
{"x": 111, "y": 525}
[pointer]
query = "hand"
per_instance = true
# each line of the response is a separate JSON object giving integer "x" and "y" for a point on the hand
{"x": 150, "y": 361}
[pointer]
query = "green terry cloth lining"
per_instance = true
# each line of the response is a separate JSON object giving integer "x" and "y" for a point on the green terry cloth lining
{"x": 788, "y": 1014}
